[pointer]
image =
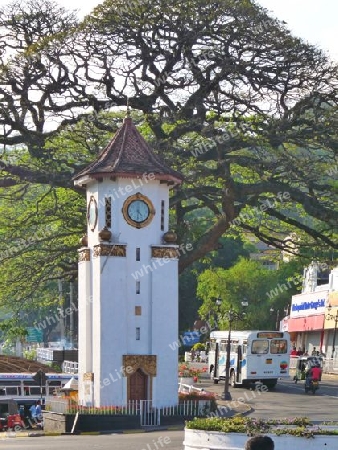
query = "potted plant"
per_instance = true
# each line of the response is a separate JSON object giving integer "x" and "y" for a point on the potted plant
{"x": 224, "y": 433}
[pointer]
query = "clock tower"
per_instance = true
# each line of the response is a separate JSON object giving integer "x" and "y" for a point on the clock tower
{"x": 128, "y": 277}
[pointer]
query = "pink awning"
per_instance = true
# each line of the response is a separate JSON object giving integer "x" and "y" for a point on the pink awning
{"x": 307, "y": 323}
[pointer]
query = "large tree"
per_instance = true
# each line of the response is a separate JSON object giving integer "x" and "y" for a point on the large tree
{"x": 222, "y": 91}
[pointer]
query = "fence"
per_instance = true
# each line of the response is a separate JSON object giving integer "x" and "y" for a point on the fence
{"x": 149, "y": 415}
{"x": 330, "y": 365}
{"x": 70, "y": 367}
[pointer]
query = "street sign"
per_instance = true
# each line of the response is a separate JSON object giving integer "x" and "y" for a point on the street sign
{"x": 34, "y": 335}
{"x": 40, "y": 377}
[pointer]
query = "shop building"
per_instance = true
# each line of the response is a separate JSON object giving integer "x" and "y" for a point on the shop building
{"x": 313, "y": 318}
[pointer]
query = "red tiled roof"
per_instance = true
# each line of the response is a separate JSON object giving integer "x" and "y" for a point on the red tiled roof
{"x": 128, "y": 155}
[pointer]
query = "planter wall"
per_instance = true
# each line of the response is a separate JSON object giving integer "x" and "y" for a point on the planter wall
{"x": 186, "y": 380}
{"x": 63, "y": 423}
{"x": 213, "y": 440}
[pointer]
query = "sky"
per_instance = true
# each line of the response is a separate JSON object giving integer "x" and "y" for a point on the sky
{"x": 313, "y": 20}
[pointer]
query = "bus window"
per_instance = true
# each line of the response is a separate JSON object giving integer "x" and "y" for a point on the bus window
{"x": 212, "y": 345}
{"x": 244, "y": 349}
{"x": 278, "y": 346}
{"x": 259, "y": 346}
{"x": 12, "y": 391}
{"x": 234, "y": 348}
{"x": 223, "y": 346}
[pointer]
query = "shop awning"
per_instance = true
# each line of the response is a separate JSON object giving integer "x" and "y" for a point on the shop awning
{"x": 315, "y": 322}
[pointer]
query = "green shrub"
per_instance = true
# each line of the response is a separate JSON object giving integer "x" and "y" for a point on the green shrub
{"x": 298, "y": 426}
{"x": 199, "y": 347}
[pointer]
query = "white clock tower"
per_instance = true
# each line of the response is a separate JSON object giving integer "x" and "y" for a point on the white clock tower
{"x": 128, "y": 277}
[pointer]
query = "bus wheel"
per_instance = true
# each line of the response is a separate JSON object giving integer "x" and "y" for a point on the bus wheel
{"x": 232, "y": 380}
{"x": 215, "y": 381}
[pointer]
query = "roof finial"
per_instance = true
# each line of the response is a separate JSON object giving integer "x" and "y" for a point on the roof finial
{"x": 128, "y": 108}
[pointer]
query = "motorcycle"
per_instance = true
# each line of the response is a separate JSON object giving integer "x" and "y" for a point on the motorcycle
{"x": 312, "y": 386}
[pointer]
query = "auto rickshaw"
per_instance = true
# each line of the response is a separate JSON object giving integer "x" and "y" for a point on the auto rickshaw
{"x": 10, "y": 418}
{"x": 303, "y": 365}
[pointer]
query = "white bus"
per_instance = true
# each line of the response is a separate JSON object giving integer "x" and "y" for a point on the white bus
{"x": 255, "y": 356}
{"x": 23, "y": 386}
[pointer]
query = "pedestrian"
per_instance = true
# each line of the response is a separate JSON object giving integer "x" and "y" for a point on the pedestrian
{"x": 38, "y": 411}
{"x": 32, "y": 411}
{"x": 260, "y": 443}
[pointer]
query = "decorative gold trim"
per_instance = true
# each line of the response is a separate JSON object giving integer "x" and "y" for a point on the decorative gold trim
{"x": 92, "y": 200}
{"x": 164, "y": 252}
{"x": 148, "y": 363}
{"x": 147, "y": 201}
{"x": 88, "y": 376}
{"x": 110, "y": 250}
{"x": 84, "y": 254}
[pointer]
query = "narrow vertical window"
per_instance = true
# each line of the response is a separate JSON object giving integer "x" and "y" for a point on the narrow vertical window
{"x": 162, "y": 215}
{"x": 138, "y": 287}
{"x": 138, "y": 254}
{"x": 138, "y": 333}
{"x": 108, "y": 212}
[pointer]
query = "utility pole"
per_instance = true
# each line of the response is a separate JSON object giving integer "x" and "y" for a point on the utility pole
{"x": 62, "y": 320}
{"x": 71, "y": 316}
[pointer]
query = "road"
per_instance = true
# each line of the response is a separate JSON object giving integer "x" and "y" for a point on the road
{"x": 159, "y": 440}
{"x": 289, "y": 400}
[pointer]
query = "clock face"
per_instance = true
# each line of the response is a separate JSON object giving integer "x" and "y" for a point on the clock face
{"x": 138, "y": 210}
{"x": 92, "y": 213}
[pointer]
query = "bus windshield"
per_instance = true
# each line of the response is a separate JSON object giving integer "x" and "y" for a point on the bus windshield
{"x": 259, "y": 346}
{"x": 278, "y": 346}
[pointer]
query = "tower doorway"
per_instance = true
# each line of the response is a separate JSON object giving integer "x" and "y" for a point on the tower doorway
{"x": 138, "y": 386}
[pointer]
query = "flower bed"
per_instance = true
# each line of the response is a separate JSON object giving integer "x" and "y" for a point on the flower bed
{"x": 186, "y": 371}
{"x": 220, "y": 433}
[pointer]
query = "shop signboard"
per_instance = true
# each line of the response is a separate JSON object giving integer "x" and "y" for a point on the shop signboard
{"x": 310, "y": 304}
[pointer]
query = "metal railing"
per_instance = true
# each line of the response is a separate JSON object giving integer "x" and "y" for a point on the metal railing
{"x": 70, "y": 367}
{"x": 44, "y": 354}
{"x": 330, "y": 365}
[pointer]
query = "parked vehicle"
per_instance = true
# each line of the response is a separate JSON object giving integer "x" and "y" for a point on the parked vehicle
{"x": 20, "y": 386}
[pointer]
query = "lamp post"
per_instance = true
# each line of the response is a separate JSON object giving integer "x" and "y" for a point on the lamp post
{"x": 218, "y": 303}
{"x": 335, "y": 318}
{"x": 232, "y": 315}
{"x": 286, "y": 313}
{"x": 272, "y": 310}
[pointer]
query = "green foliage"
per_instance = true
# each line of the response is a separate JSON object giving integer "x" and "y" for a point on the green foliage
{"x": 189, "y": 301}
{"x": 30, "y": 354}
{"x": 298, "y": 426}
{"x": 249, "y": 281}
{"x": 199, "y": 346}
